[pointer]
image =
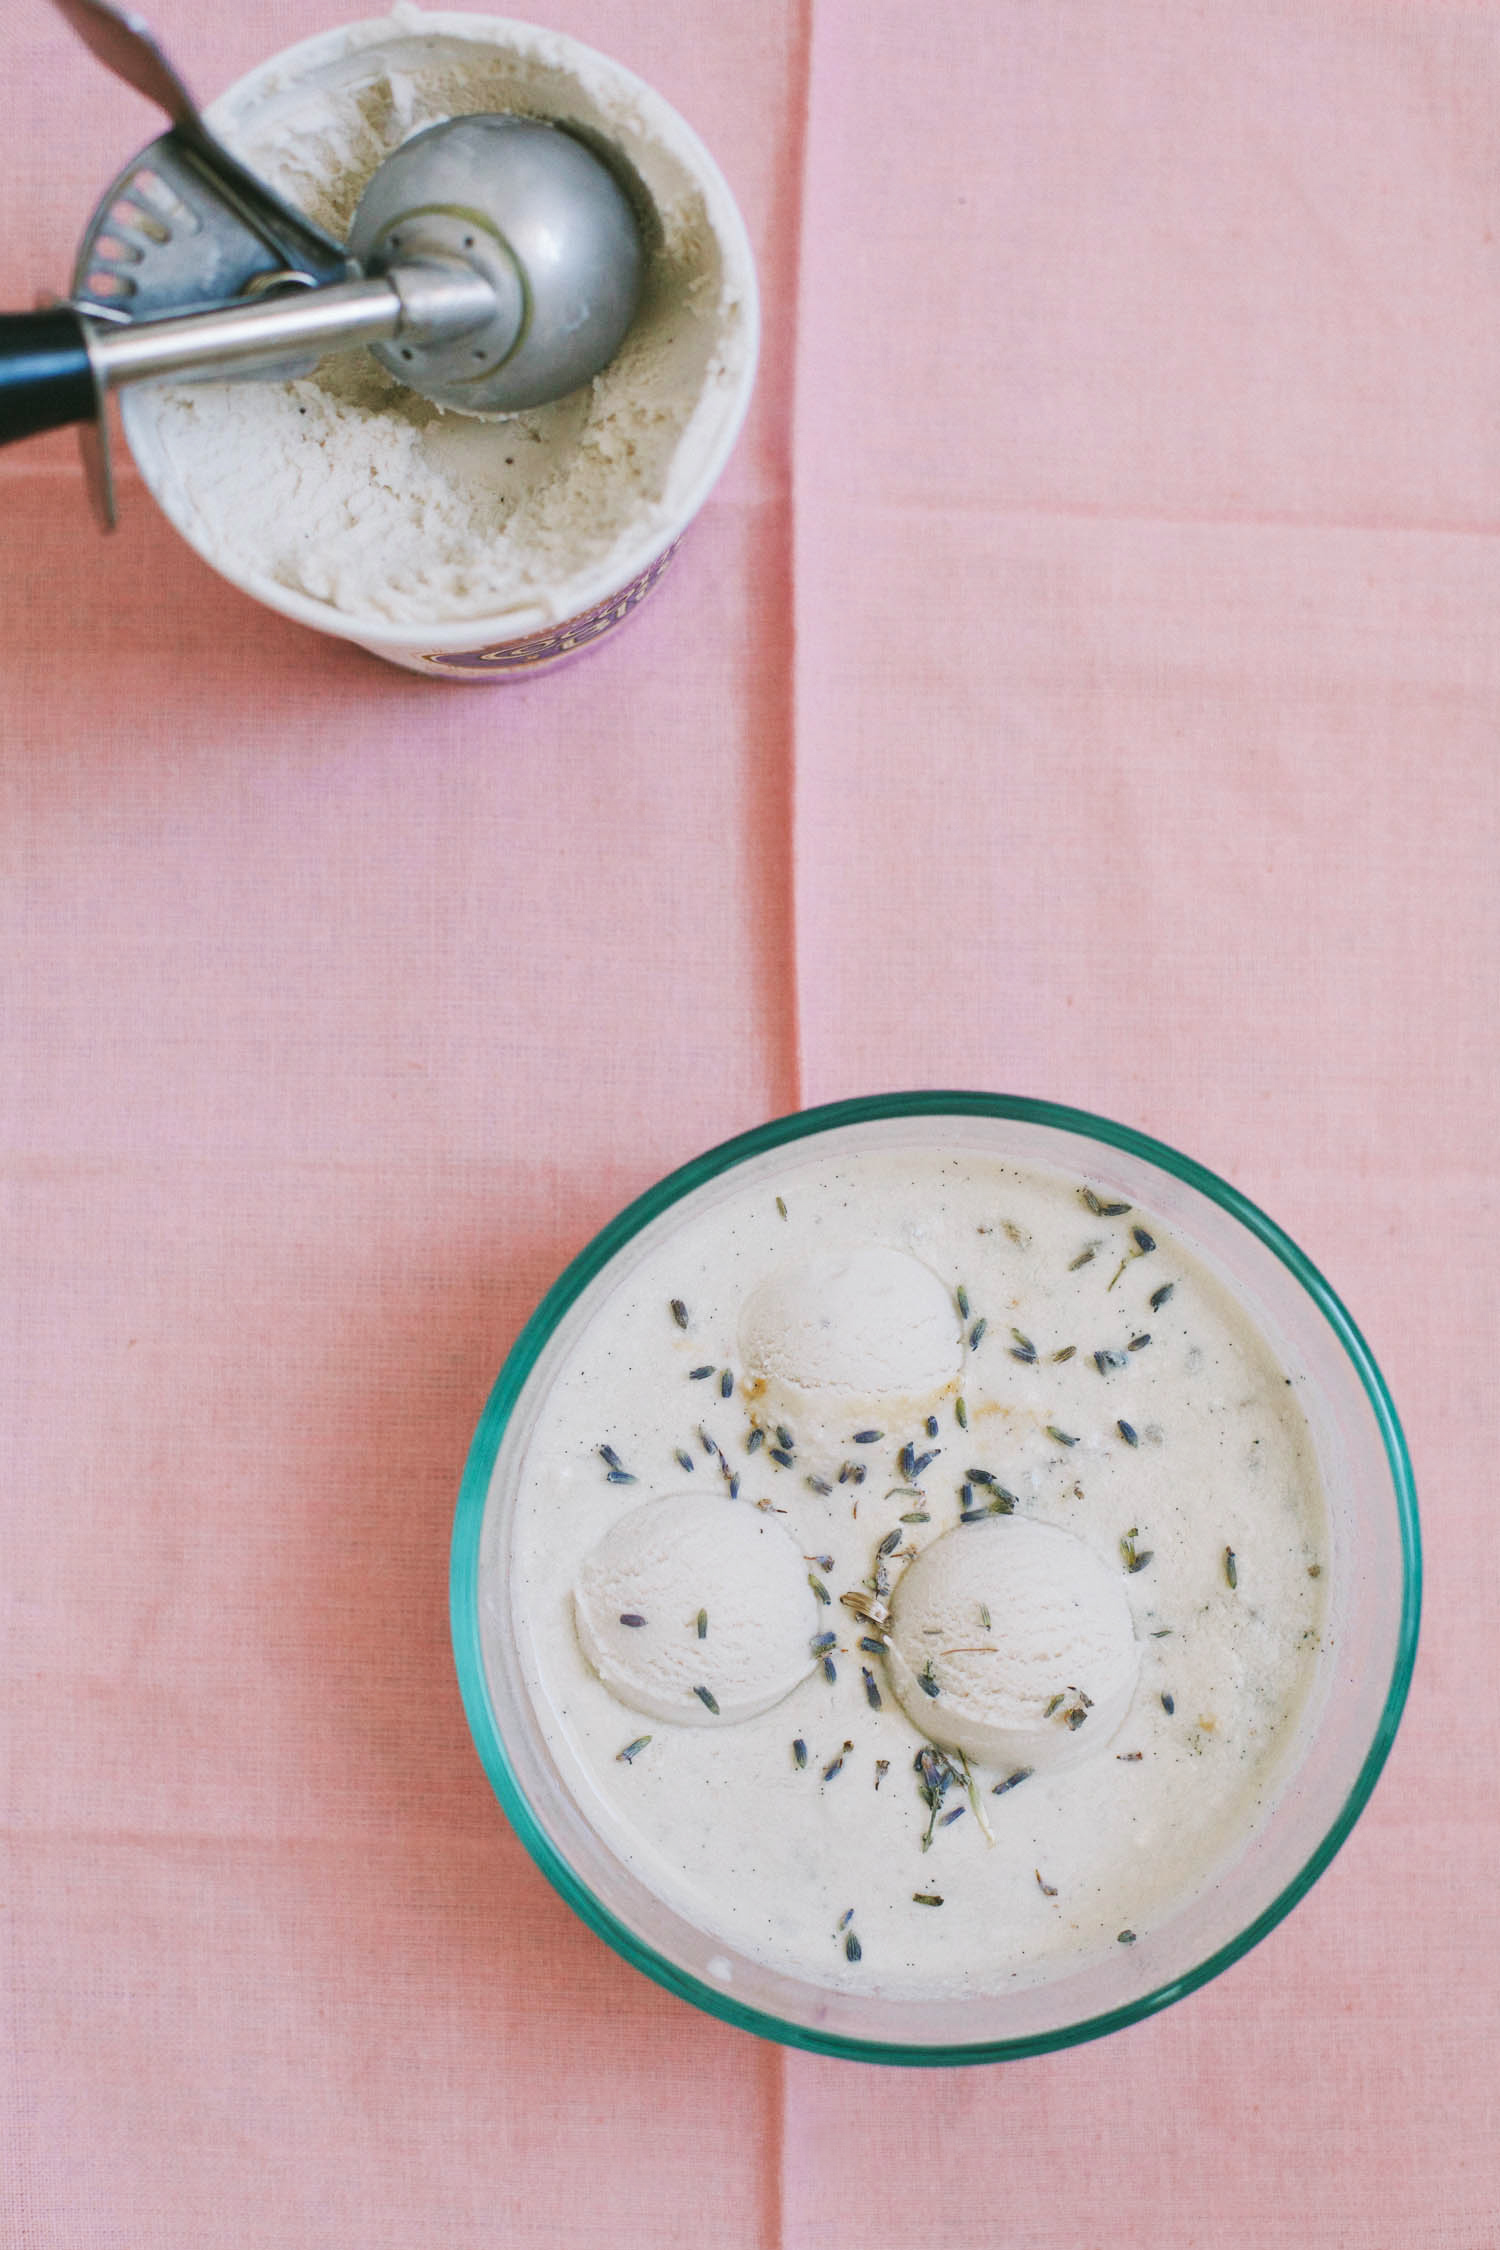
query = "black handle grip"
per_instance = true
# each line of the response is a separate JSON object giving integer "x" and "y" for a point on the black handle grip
{"x": 45, "y": 378}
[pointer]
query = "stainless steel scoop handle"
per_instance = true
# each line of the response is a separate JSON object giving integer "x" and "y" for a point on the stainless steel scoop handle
{"x": 426, "y": 303}
{"x": 56, "y": 365}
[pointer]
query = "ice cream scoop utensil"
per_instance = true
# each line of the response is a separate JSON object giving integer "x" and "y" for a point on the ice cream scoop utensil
{"x": 494, "y": 264}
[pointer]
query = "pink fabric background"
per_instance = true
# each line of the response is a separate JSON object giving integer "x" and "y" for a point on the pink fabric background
{"x": 1085, "y": 682}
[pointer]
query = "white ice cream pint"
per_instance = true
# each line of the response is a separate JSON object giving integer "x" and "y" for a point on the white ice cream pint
{"x": 457, "y": 546}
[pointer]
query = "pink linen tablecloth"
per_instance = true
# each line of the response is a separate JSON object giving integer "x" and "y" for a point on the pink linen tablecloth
{"x": 1085, "y": 682}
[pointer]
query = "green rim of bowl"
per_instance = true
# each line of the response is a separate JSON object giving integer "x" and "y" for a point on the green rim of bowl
{"x": 474, "y": 1492}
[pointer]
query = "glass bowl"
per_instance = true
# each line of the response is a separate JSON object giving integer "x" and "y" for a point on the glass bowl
{"x": 1368, "y": 1647}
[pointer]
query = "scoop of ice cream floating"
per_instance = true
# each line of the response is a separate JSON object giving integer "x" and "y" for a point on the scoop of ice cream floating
{"x": 1013, "y": 1642}
{"x": 839, "y": 1340}
{"x": 697, "y": 1610}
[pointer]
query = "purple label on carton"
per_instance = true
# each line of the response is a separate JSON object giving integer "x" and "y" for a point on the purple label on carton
{"x": 538, "y": 650}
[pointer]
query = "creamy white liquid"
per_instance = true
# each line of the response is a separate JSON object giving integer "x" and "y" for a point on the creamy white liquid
{"x": 769, "y": 1855}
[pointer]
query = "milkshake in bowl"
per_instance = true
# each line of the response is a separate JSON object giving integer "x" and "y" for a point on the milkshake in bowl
{"x": 463, "y": 546}
{"x": 936, "y": 1579}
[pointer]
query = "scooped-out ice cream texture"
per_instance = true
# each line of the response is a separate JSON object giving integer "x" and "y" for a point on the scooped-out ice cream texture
{"x": 1022, "y": 1657}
